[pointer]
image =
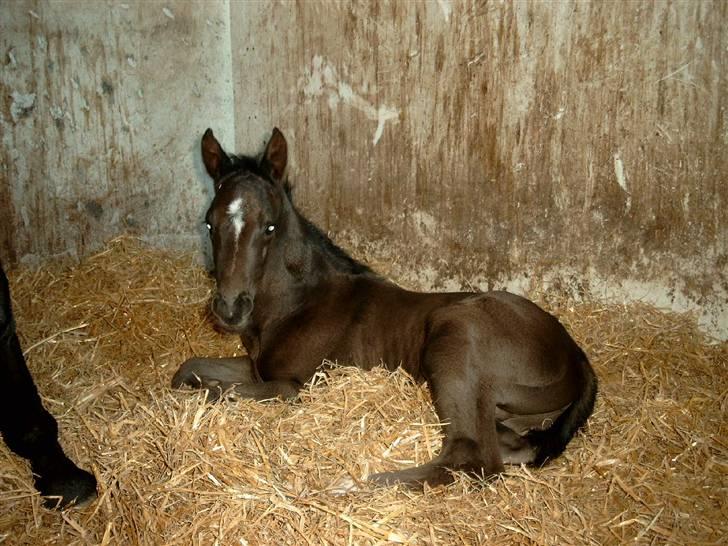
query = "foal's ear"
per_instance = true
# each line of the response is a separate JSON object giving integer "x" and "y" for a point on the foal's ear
{"x": 275, "y": 156}
{"x": 213, "y": 156}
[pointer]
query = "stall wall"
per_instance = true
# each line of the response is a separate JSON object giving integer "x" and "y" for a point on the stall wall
{"x": 101, "y": 109}
{"x": 489, "y": 143}
{"x": 464, "y": 144}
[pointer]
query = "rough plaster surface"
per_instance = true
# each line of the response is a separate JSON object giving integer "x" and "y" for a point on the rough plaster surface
{"x": 102, "y": 105}
{"x": 478, "y": 143}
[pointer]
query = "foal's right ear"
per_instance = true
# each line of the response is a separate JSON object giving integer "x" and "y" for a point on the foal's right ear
{"x": 214, "y": 157}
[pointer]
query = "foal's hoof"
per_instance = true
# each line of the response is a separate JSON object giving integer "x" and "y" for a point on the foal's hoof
{"x": 388, "y": 479}
{"x": 414, "y": 478}
{"x": 187, "y": 374}
{"x": 345, "y": 486}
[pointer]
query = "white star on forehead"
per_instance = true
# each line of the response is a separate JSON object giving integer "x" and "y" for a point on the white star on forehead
{"x": 235, "y": 206}
{"x": 235, "y": 211}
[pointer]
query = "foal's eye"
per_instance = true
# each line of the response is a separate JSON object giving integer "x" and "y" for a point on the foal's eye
{"x": 208, "y": 226}
{"x": 270, "y": 228}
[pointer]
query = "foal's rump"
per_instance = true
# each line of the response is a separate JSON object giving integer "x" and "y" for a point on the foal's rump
{"x": 542, "y": 383}
{"x": 519, "y": 343}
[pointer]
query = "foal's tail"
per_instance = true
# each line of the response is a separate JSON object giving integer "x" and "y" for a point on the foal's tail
{"x": 552, "y": 441}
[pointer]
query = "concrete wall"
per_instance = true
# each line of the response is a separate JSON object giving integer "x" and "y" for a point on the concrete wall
{"x": 464, "y": 143}
{"x": 101, "y": 109}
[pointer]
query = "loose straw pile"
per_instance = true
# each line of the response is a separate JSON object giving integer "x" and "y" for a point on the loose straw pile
{"x": 104, "y": 337}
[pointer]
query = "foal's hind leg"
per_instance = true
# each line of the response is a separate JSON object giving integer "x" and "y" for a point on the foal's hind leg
{"x": 217, "y": 375}
{"x": 470, "y": 443}
{"x": 464, "y": 400}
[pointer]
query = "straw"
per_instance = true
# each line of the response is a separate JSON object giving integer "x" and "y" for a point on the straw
{"x": 104, "y": 336}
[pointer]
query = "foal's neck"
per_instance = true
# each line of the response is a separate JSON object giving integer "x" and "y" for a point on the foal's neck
{"x": 307, "y": 262}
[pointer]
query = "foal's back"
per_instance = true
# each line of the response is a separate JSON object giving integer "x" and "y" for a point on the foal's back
{"x": 379, "y": 322}
{"x": 375, "y": 321}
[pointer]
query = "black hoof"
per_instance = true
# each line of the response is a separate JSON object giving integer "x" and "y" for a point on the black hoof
{"x": 71, "y": 486}
{"x": 189, "y": 374}
{"x": 414, "y": 478}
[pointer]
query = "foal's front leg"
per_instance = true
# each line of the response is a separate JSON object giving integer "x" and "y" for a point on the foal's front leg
{"x": 219, "y": 375}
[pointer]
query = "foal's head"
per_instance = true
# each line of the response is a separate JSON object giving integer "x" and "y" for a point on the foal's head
{"x": 245, "y": 218}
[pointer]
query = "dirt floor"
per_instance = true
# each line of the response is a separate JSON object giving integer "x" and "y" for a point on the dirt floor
{"x": 104, "y": 337}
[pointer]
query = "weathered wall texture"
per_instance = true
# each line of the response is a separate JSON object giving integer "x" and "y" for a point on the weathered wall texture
{"x": 467, "y": 143}
{"x": 101, "y": 107}
{"x": 485, "y": 142}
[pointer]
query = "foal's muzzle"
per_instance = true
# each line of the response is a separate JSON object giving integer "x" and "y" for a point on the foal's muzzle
{"x": 232, "y": 312}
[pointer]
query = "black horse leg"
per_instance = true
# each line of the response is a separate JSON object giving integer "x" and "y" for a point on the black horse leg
{"x": 219, "y": 375}
{"x": 469, "y": 444}
{"x": 27, "y": 428}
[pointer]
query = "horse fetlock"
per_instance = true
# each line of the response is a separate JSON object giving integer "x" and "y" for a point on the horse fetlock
{"x": 472, "y": 457}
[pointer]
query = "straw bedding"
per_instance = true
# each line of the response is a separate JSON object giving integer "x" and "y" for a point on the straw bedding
{"x": 104, "y": 337}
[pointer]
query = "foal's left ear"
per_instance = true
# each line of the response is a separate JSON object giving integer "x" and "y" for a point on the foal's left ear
{"x": 275, "y": 156}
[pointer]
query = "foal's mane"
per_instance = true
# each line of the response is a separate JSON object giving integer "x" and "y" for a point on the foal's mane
{"x": 337, "y": 256}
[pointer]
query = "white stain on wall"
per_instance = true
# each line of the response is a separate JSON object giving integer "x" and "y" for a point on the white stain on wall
{"x": 322, "y": 80}
{"x": 622, "y": 177}
{"x": 427, "y": 227}
{"x": 446, "y": 7}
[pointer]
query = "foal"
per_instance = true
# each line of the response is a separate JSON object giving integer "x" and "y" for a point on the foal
{"x": 507, "y": 377}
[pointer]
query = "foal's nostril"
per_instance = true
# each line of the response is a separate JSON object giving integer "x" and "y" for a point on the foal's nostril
{"x": 221, "y": 308}
{"x": 245, "y": 304}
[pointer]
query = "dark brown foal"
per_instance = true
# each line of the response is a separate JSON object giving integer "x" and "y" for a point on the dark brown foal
{"x": 507, "y": 377}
